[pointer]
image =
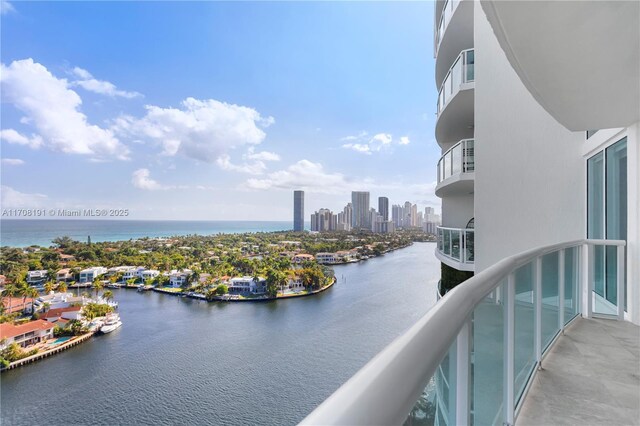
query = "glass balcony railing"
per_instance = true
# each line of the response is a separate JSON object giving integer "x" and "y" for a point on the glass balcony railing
{"x": 458, "y": 159}
{"x": 445, "y": 18}
{"x": 456, "y": 244}
{"x": 462, "y": 71}
{"x": 470, "y": 359}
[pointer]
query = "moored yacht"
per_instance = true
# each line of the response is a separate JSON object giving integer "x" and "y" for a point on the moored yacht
{"x": 111, "y": 323}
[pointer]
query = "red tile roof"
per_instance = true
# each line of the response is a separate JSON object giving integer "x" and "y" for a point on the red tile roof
{"x": 15, "y": 304}
{"x": 8, "y": 330}
{"x": 56, "y": 312}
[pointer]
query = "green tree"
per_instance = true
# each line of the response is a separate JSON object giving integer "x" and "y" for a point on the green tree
{"x": 222, "y": 289}
{"x": 107, "y": 295}
{"x": 97, "y": 286}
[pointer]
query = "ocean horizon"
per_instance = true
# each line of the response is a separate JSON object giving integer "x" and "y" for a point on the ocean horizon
{"x": 28, "y": 232}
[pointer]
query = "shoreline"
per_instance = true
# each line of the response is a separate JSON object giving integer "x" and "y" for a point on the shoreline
{"x": 41, "y": 355}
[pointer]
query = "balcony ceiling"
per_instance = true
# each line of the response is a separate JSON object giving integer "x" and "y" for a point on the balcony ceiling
{"x": 579, "y": 59}
{"x": 459, "y": 184}
{"x": 456, "y": 121}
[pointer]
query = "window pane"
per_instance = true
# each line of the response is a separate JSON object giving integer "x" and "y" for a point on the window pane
{"x": 616, "y": 199}
{"x": 595, "y": 197}
{"x": 550, "y": 303}
{"x": 524, "y": 355}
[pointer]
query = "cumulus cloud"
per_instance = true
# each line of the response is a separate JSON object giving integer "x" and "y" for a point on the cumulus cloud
{"x": 254, "y": 168}
{"x": 303, "y": 175}
{"x": 53, "y": 109}
{"x": 12, "y": 136}
{"x": 6, "y": 7}
{"x": 12, "y": 198}
{"x": 261, "y": 156}
{"x": 204, "y": 130}
{"x": 12, "y": 161}
{"x": 89, "y": 83}
{"x": 364, "y": 144}
{"x": 141, "y": 179}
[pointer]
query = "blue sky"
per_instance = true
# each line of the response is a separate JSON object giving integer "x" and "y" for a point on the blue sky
{"x": 209, "y": 110}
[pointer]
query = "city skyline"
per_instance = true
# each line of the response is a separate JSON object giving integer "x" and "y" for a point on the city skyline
{"x": 229, "y": 135}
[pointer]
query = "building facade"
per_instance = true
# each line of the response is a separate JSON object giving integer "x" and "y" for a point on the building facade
{"x": 361, "y": 218}
{"x": 383, "y": 207}
{"x": 298, "y": 211}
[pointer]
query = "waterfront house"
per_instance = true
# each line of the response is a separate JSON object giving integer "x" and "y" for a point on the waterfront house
{"x": 149, "y": 274}
{"x": 58, "y": 300}
{"x": 17, "y": 304}
{"x": 301, "y": 258}
{"x": 179, "y": 278}
{"x": 64, "y": 275}
{"x": 36, "y": 278}
{"x": 247, "y": 285}
{"x": 327, "y": 258}
{"x": 68, "y": 313}
{"x": 90, "y": 274}
{"x": 25, "y": 334}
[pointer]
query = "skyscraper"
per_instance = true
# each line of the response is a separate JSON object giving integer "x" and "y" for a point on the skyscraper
{"x": 298, "y": 211}
{"x": 360, "y": 204}
{"x": 383, "y": 207}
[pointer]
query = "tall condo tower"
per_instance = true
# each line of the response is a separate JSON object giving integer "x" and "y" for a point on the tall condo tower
{"x": 383, "y": 208}
{"x": 298, "y": 211}
{"x": 360, "y": 204}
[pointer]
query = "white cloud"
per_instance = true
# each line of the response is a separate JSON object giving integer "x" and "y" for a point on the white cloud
{"x": 141, "y": 179}
{"x": 255, "y": 168}
{"x": 12, "y": 136}
{"x": 204, "y": 130}
{"x": 303, "y": 175}
{"x": 368, "y": 145}
{"x": 6, "y": 7}
{"x": 53, "y": 109}
{"x": 87, "y": 82}
{"x": 12, "y": 161}
{"x": 16, "y": 199}
{"x": 261, "y": 156}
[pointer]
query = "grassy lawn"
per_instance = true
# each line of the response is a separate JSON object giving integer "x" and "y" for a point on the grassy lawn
{"x": 171, "y": 289}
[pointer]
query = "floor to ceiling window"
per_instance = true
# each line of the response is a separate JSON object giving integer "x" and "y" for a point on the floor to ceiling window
{"x": 607, "y": 213}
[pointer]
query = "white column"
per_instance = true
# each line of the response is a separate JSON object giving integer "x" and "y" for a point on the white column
{"x": 509, "y": 350}
{"x": 463, "y": 349}
{"x": 537, "y": 304}
{"x": 561, "y": 283}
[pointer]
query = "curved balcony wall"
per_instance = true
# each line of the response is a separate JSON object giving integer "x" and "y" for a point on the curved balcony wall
{"x": 456, "y": 169}
{"x": 455, "y": 248}
{"x": 453, "y": 34}
{"x": 455, "y": 100}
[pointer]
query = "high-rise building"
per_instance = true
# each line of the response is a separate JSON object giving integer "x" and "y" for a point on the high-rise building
{"x": 324, "y": 220}
{"x": 298, "y": 211}
{"x": 396, "y": 215}
{"x": 361, "y": 205}
{"x": 383, "y": 207}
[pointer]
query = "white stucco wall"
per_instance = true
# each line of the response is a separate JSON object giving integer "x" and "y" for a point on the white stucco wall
{"x": 530, "y": 174}
{"x": 457, "y": 210}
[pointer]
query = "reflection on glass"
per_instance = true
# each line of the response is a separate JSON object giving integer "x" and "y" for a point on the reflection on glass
{"x": 524, "y": 354}
{"x": 570, "y": 284}
{"x": 550, "y": 298}
{"x": 488, "y": 358}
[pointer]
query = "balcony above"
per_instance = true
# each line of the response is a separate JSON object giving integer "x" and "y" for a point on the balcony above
{"x": 456, "y": 100}
{"x": 579, "y": 59}
{"x": 455, "y": 248}
{"x": 453, "y": 34}
{"x": 456, "y": 170}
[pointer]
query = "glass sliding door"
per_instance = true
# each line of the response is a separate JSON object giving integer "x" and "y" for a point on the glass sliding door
{"x": 607, "y": 219}
{"x": 616, "y": 208}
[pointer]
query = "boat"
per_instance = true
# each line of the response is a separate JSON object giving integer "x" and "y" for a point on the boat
{"x": 111, "y": 323}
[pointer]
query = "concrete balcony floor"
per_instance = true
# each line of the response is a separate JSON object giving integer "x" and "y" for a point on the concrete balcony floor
{"x": 591, "y": 376}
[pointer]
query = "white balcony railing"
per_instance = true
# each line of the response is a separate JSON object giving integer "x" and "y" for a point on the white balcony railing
{"x": 445, "y": 18}
{"x": 456, "y": 244}
{"x": 458, "y": 159}
{"x": 462, "y": 71}
{"x": 483, "y": 341}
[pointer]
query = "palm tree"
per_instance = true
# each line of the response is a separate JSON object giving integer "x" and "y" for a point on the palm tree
{"x": 48, "y": 287}
{"x": 32, "y": 293}
{"x": 10, "y": 291}
{"x": 62, "y": 287}
{"x": 97, "y": 286}
{"x": 107, "y": 295}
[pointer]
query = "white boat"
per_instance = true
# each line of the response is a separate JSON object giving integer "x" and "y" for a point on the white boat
{"x": 111, "y": 323}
